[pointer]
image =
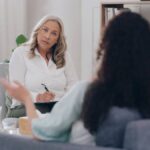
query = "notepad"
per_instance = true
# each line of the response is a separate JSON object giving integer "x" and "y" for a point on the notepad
{"x": 45, "y": 107}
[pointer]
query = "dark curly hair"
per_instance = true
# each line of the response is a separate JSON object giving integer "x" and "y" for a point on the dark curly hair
{"x": 123, "y": 80}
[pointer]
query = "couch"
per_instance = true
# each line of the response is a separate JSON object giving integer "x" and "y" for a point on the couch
{"x": 123, "y": 130}
{"x": 137, "y": 137}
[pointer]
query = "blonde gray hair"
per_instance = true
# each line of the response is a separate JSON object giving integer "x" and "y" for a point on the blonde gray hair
{"x": 58, "y": 50}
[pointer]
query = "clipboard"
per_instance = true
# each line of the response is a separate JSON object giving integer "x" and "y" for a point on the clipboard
{"x": 45, "y": 107}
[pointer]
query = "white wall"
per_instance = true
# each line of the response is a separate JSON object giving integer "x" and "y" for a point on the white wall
{"x": 91, "y": 25}
{"x": 82, "y": 26}
{"x": 90, "y": 36}
{"x": 145, "y": 11}
{"x": 12, "y": 23}
{"x": 70, "y": 12}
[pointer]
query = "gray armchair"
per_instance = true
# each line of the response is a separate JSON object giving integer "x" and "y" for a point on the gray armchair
{"x": 136, "y": 137}
{"x": 13, "y": 142}
{"x": 122, "y": 129}
{"x": 3, "y": 74}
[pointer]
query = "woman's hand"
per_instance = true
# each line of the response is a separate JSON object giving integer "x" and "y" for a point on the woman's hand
{"x": 16, "y": 90}
{"x": 45, "y": 97}
{"x": 20, "y": 93}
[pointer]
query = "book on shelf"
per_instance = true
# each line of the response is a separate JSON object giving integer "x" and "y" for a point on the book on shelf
{"x": 110, "y": 12}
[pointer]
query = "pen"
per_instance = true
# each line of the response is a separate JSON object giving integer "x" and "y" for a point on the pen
{"x": 45, "y": 87}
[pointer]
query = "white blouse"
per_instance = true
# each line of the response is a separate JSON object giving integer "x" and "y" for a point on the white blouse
{"x": 32, "y": 72}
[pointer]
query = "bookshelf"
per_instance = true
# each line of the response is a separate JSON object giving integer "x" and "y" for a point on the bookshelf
{"x": 110, "y": 8}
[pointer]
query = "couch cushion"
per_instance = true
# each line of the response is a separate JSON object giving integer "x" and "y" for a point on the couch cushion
{"x": 111, "y": 132}
{"x": 137, "y": 136}
{"x": 22, "y": 143}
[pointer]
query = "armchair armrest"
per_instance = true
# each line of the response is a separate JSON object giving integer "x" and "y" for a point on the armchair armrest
{"x": 137, "y": 136}
{"x": 9, "y": 142}
{"x": 3, "y": 74}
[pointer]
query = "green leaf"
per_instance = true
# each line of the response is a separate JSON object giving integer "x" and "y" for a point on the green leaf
{"x": 21, "y": 39}
{"x": 6, "y": 61}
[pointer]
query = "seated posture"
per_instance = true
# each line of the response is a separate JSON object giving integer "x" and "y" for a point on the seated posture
{"x": 120, "y": 89}
{"x": 42, "y": 65}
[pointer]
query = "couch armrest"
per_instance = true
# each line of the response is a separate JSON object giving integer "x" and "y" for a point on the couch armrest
{"x": 137, "y": 136}
{"x": 9, "y": 142}
{"x": 3, "y": 74}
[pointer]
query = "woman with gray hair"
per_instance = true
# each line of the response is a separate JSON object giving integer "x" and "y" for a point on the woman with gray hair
{"x": 42, "y": 64}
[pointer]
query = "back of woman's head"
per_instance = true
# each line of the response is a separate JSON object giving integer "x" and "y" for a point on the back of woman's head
{"x": 123, "y": 79}
{"x": 126, "y": 45}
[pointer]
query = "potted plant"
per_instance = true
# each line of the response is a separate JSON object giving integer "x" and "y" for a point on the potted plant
{"x": 20, "y": 39}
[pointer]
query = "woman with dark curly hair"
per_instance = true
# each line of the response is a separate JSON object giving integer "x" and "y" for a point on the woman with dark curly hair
{"x": 123, "y": 81}
{"x": 119, "y": 94}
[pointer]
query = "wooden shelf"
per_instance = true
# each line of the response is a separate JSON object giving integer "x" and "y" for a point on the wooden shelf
{"x": 109, "y": 8}
{"x": 124, "y": 2}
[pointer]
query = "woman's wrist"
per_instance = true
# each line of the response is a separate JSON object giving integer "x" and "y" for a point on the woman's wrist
{"x": 28, "y": 100}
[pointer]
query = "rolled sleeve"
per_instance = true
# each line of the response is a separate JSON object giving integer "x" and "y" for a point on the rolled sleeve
{"x": 57, "y": 124}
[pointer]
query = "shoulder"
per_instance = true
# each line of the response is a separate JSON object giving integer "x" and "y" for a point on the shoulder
{"x": 114, "y": 126}
{"x": 122, "y": 115}
{"x": 21, "y": 50}
{"x": 78, "y": 89}
{"x": 69, "y": 65}
{"x": 67, "y": 56}
{"x": 81, "y": 85}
